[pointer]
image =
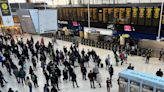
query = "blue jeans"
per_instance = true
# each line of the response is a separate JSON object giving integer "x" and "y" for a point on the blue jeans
{"x": 30, "y": 88}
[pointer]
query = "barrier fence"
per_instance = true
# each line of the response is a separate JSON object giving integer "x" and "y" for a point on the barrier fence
{"x": 97, "y": 44}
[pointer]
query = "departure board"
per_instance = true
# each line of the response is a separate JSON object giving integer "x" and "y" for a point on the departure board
{"x": 59, "y": 14}
{"x": 122, "y": 15}
{"x": 74, "y": 13}
{"x": 105, "y": 15}
{"x": 70, "y": 13}
{"x": 82, "y": 13}
{"x": 148, "y": 16}
{"x": 163, "y": 19}
{"x": 78, "y": 14}
{"x": 134, "y": 19}
{"x": 110, "y": 15}
{"x": 141, "y": 18}
{"x": 116, "y": 13}
{"x": 156, "y": 16}
{"x": 66, "y": 13}
{"x": 95, "y": 14}
{"x": 86, "y": 14}
{"x": 128, "y": 15}
{"x": 91, "y": 14}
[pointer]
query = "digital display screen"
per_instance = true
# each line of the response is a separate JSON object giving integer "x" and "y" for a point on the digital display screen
{"x": 127, "y": 28}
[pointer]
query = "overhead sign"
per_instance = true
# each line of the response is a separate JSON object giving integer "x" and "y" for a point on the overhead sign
{"x": 5, "y": 9}
{"x": 6, "y": 13}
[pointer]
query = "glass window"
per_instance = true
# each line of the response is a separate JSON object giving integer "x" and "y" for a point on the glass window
{"x": 146, "y": 88}
{"x": 134, "y": 86}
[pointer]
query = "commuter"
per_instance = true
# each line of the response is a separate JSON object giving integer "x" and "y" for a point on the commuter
{"x": 108, "y": 84}
{"x": 95, "y": 71}
{"x": 107, "y": 61}
{"x": 148, "y": 58}
{"x": 111, "y": 71}
{"x": 83, "y": 53}
{"x": 34, "y": 79}
{"x": 34, "y": 63}
{"x": 10, "y": 90}
{"x": 161, "y": 54}
{"x": 53, "y": 89}
{"x": 130, "y": 66}
{"x": 16, "y": 73}
{"x": 28, "y": 83}
{"x": 65, "y": 74}
{"x": 159, "y": 73}
{"x": 99, "y": 79}
{"x": 91, "y": 78}
{"x": 54, "y": 81}
{"x": 2, "y": 79}
{"x": 22, "y": 75}
{"x": 74, "y": 79}
{"x": 84, "y": 72}
{"x": 47, "y": 77}
{"x": 46, "y": 89}
{"x": 31, "y": 71}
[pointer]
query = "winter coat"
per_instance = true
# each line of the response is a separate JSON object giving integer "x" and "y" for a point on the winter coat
{"x": 83, "y": 70}
{"x": 91, "y": 76}
{"x": 16, "y": 72}
{"x": 22, "y": 73}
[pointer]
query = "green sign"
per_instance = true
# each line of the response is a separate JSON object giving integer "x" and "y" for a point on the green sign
{"x": 5, "y": 9}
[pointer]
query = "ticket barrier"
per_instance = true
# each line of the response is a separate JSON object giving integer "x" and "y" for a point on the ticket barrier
{"x": 133, "y": 81}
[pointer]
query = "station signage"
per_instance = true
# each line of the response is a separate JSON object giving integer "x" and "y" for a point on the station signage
{"x": 5, "y": 9}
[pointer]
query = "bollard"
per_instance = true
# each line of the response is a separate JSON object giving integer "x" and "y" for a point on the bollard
{"x": 82, "y": 41}
{"x": 101, "y": 45}
{"x": 108, "y": 46}
{"x": 87, "y": 42}
{"x": 105, "y": 45}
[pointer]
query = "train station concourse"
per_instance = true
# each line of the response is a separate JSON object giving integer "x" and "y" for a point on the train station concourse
{"x": 81, "y": 45}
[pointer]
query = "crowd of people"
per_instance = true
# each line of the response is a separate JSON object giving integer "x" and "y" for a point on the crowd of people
{"x": 70, "y": 58}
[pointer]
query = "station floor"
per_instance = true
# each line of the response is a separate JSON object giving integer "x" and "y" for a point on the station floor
{"x": 138, "y": 63}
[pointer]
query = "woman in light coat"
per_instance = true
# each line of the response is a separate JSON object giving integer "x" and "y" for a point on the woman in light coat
{"x": 99, "y": 79}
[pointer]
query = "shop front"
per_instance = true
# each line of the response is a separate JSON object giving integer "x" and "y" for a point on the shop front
{"x": 12, "y": 30}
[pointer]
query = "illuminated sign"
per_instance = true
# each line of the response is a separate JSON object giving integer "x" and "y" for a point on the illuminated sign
{"x": 156, "y": 13}
{"x": 5, "y": 9}
{"x": 141, "y": 12}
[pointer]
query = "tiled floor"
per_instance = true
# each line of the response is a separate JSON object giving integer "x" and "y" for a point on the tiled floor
{"x": 138, "y": 63}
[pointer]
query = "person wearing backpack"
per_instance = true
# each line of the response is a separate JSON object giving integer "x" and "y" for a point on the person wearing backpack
{"x": 22, "y": 75}
{"x": 84, "y": 72}
{"x": 111, "y": 71}
{"x": 34, "y": 79}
